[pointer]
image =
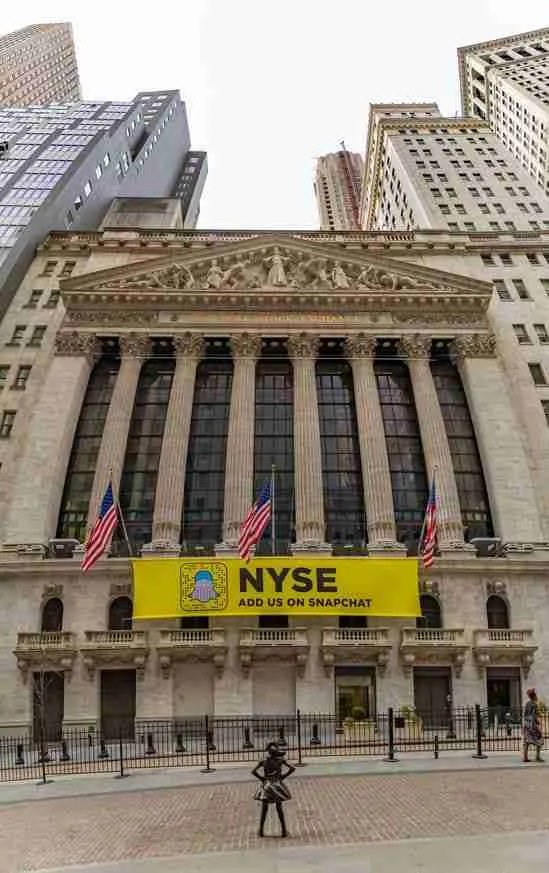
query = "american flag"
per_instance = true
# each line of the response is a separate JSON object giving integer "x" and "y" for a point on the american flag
{"x": 256, "y": 521}
{"x": 101, "y": 533}
{"x": 430, "y": 528}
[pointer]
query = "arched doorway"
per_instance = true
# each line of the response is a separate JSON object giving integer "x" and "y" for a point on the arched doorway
{"x": 120, "y": 614}
{"x": 52, "y": 616}
{"x": 497, "y": 612}
{"x": 431, "y": 616}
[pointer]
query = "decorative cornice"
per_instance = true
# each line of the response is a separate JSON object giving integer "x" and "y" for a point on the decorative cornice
{"x": 245, "y": 345}
{"x": 360, "y": 345}
{"x": 188, "y": 345}
{"x": 475, "y": 345}
{"x": 415, "y": 346}
{"x": 303, "y": 346}
{"x": 75, "y": 344}
{"x": 134, "y": 345}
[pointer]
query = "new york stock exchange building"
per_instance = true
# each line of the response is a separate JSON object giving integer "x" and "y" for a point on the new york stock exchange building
{"x": 186, "y": 365}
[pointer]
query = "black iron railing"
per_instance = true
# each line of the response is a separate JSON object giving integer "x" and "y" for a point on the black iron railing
{"x": 204, "y": 741}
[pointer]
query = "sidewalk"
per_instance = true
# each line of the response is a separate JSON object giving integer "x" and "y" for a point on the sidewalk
{"x": 180, "y": 777}
{"x": 504, "y": 853}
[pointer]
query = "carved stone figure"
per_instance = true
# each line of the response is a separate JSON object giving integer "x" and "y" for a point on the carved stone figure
{"x": 276, "y": 275}
{"x": 215, "y": 275}
{"x": 339, "y": 276}
{"x": 176, "y": 276}
{"x": 322, "y": 279}
{"x": 367, "y": 277}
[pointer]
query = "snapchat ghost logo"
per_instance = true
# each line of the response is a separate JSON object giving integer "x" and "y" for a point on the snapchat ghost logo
{"x": 203, "y": 590}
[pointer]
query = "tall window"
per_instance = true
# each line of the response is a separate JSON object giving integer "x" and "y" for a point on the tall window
{"x": 431, "y": 615}
{"x": 341, "y": 467}
{"x": 202, "y": 521}
{"x": 52, "y": 616}
{"x": 497, "y": 613}
{"x": 85, "y": 449}
{"x": 473, "y": 498}
{"x": 274, "y": 439}
{"x": 138, "y": 484}
{"x": 120, "y": 614}
{"x": 404, "y": 449}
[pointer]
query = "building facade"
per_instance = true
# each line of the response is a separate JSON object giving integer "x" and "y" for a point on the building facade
{"x": 61, "y": 166}
{"x": 337, "y": 189}
{"x": 38, "y": 66}
{"x": 505, "y": 82}
{"x": 187, "y": 364}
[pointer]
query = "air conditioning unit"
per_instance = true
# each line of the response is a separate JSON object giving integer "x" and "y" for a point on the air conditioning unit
{"x": 62, "y": 548}
{"x": 4, "y": 147}
{"x": 488, "y": 547}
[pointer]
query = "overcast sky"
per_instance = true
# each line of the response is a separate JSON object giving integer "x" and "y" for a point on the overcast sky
{"x": 269, "y": 86}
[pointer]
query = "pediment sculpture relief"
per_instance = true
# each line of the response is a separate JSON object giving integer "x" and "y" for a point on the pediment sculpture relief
{"x": 273, "y": 267}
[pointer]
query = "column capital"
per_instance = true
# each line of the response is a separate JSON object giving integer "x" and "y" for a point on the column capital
{"x": 415, "y": 345}
{"x": 134, "y": 345}
{"x": 360, "y": 345}
{"x": 188, "y": 345}
{"x": 473, "y": 345}
{"x": 71, "y": 343}
{"x": 246, "y": 345}
{"x": 303, "y": 345}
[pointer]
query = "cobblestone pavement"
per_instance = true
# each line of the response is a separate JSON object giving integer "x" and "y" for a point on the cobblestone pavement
{"x": 218, "y": 818}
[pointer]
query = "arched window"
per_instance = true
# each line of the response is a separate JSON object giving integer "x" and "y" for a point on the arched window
{"x": 52, "y": 616}
{"x": 120, "y": 614}
{"x": 497, "y": 612}
{"x": 430, "y": 612}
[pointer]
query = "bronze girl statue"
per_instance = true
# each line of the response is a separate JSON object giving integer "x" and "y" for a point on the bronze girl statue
{"x": 271, "y": 772}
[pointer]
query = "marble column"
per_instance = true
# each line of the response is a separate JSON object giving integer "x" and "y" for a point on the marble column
{"x": 436, "y": 449}
{"x": 37, "y": 487}
{"x": 505, "y": 463}
{"x": 134, "y": 348}
{"x": 170, "y": 484}
{"x": 239, "y": 470}
{"x": 376, "y": 476}
{"x": 309, "y": 499}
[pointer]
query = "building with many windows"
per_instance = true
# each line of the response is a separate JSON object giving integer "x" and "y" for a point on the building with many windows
{"x": 188, "y": 363}
{"x": 337, "y": 189}
{"x": 38, "y": 66}
{"x": 61, "y": 166}
{"x": 505, "y": 82}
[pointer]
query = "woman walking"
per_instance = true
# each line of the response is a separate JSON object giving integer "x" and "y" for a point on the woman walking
{"x": 271, "y": 772}
{"x": 532, "y": 733}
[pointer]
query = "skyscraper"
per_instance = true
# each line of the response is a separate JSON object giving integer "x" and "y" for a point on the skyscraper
{"x": 38, "y": 66}
{"x": 506, "y": 83}
{"x": 61, "y": 167}
{"x": 337, "y": 189}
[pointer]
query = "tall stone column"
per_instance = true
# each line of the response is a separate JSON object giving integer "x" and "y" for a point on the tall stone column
{"x": 134, "y": 348}
{"x": 309, "y": 499}
{"x": 37, "y": 488}
{"x": 506, "y": 467}
{"x": 170, "y": 483}
{"x": 239, "y": 469}
{"x": 436, "y": 449}
{"x": 376, "y": 476}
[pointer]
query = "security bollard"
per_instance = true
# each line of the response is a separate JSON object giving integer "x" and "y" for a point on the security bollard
{"x": 19, "y": 760}
{"x": 315, "y": 739}
{"x": 179, "y": 747}
{"x": 103, "y": 752}
{"x": 281, "y": 737}
{"x": 247, "y": 741}
{"x": 64, "y": 752}
{"x": 150, "y": 750}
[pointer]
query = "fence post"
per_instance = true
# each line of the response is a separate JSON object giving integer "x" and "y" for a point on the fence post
{"x": 19, "y": 760}
{"x": 247, "y": 741}
{"x": 478, "y": 719}
{"x": 299, "y": 756}
{"x": 390, "y": 759}
{"x": 208, "y": 737}
{"x": 120, "y": 774}
{"x": 43, "y": 759}
{"x": 436, "y": 747}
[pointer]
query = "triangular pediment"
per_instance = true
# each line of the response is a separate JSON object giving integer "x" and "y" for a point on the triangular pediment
{"x": 278, "y": 264}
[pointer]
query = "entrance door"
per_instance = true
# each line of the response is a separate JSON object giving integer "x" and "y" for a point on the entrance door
{"x": 503, "y": 692}
{"x": 117, "y": 704}
{"x": 48, "y": 706}
{"x": 355, "y": 687}
{"x": 431, "y": 692}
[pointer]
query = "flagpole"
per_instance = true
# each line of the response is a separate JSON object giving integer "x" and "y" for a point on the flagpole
{"x": 273, "y": 510}
{"x": 121, "y": 517}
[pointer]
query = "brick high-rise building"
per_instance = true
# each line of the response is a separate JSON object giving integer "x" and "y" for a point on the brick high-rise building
{"x": 337, "y": 189}
{"x": 38, "y": 66}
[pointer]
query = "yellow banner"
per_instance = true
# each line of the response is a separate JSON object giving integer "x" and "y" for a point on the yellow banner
{"x": 167, "y": 588}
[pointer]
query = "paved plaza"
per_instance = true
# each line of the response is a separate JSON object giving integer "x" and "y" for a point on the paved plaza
{"x": 372, "y": 822}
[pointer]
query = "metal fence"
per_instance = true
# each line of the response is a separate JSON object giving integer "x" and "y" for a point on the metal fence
{"x": 205, "y": 741}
